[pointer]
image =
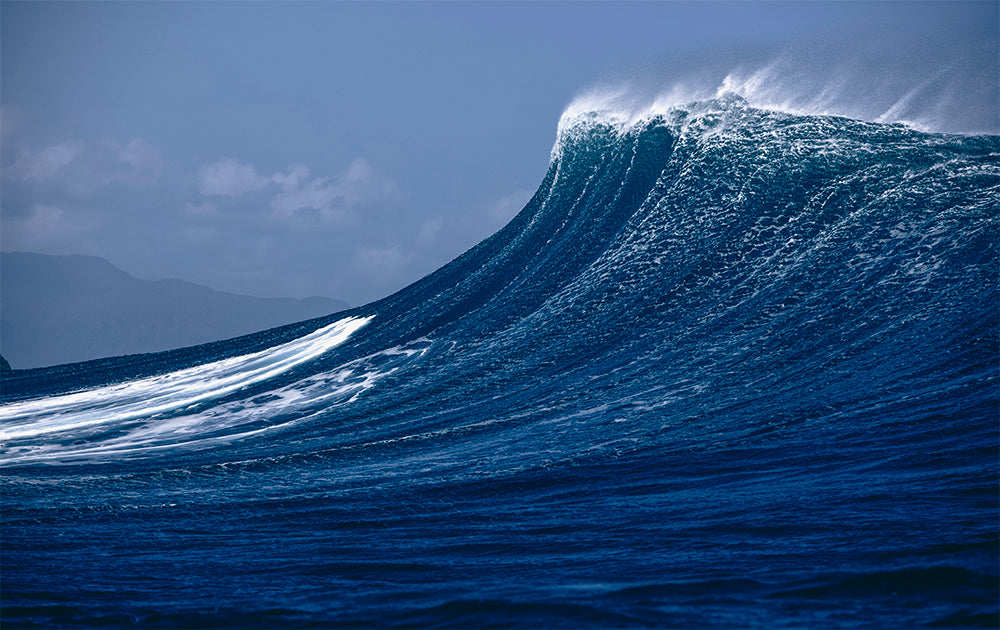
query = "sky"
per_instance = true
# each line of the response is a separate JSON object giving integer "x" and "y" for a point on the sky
{"x": 347, "y": 149}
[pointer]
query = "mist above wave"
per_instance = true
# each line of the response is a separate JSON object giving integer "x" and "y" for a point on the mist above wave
{"x": 930, "y": 102}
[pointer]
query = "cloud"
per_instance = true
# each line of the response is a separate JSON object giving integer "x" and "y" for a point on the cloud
{"x": 298, "y": 199}
{"x": 330, "y": 197}
{"x": 360, "y": 183}
{"x": 229, "y": 178}
{"x": 297, "y": 194}
{"x": 292, "y": 181}
{"x": 44, "y": 164}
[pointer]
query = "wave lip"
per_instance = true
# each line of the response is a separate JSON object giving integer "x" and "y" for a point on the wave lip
{"x": 607, "y": 114}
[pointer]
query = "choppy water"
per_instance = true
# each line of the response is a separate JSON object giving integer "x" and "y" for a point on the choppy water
{"x": 728, "y": 368}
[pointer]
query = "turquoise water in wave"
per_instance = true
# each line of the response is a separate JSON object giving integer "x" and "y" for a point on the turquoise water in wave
{"x": 728, "y": 368}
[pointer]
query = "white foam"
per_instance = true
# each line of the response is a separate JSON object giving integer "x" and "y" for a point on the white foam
{"x": 170, "y": 392}
{"x": 84, "y": 429}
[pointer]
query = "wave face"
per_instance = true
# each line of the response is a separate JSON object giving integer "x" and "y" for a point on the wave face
{"x": 729, "y": 367}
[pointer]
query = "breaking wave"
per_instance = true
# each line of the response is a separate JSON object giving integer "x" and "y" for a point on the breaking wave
{"x": 730, "y": 366}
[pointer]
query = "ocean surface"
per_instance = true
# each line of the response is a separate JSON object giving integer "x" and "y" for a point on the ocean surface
{"x": 729, "y": 368}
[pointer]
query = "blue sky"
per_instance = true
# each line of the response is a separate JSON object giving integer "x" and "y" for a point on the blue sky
{"x": 347, "y": 149}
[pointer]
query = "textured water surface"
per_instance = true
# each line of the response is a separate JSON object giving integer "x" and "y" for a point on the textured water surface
{"x": 728, "y": 368}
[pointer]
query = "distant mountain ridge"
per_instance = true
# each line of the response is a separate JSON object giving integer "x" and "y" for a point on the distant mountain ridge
{"x": 64, "y": 309}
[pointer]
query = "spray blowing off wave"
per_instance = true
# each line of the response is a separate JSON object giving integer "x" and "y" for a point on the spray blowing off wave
{"x": 810, "y": 84}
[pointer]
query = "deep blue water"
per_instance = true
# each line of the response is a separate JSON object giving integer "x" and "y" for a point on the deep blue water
{"x": 728, "y": 368}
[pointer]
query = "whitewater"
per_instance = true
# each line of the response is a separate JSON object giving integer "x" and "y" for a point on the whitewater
{"x": 731, "y": 366}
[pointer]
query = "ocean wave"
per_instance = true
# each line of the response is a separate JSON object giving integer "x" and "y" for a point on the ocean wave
{"x": 730, "y": 366}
